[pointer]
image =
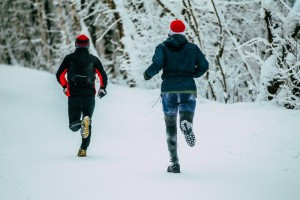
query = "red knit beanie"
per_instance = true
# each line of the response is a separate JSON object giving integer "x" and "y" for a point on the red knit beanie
{"x": 177, "y": 27}
{"x": 82, "y": 41}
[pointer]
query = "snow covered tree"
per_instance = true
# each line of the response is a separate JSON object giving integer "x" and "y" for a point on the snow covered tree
{"x": 252, "y": 46}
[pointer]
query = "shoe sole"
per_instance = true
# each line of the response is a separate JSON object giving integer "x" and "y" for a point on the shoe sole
{"x": 187, "y": 130}
{"x": 86, "y": 124}
{"x": 175, "y": 172}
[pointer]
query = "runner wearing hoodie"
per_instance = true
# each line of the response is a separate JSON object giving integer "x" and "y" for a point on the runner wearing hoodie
{"x": 181, "y": 62}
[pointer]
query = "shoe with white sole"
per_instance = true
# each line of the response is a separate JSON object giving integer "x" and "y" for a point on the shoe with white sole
{"x": 85, "y": 127}
{"x": 187, "y": 129}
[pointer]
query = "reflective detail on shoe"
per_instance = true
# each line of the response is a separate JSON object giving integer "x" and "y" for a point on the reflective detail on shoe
{"x": 75, "y": 126}
{"x": 81, "y": 153}
{"x": 187, "y": 129}
{"x": 174, "y": 168}
{"x": 85, "y": 127}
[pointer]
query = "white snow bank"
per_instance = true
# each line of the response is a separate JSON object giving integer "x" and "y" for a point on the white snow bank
{"x": 244, "y": 151}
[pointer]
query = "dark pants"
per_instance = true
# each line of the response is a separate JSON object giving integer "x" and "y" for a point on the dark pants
{"x": 185, "y": 103}
{"x": 79, "y": 107}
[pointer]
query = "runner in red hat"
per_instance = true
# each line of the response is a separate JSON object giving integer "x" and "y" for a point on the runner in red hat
{"x": 181, "y": 62}
{"x": 81, "y": 69}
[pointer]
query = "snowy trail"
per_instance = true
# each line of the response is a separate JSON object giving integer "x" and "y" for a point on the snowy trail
{"x": 243, "y": 151}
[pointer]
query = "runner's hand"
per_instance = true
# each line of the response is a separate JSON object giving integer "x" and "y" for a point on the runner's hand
{"x": 101, "y": 93}
{"x": 65, "y": 90}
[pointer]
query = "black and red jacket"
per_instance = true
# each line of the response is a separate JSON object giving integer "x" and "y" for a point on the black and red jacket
{"x": 81, "y": 68}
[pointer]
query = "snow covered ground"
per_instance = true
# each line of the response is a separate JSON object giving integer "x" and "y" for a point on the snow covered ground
{"x": 246, "y": 151}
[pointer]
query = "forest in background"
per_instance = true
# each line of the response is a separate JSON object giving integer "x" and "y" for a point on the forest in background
{"x": 252, "y": 46}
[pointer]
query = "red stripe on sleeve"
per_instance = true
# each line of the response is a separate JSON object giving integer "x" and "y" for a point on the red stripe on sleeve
{"x": 68, "y": 90}
{"x": 62, "y": 79}
{"x": 100, "y": 77}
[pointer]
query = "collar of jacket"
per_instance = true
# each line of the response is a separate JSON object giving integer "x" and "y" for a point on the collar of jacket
{"x": 176, "y": 40}
{"x": 85, "y": 50}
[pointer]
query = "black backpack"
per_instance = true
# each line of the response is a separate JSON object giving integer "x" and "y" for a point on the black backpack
{"x": 81, "y": 77}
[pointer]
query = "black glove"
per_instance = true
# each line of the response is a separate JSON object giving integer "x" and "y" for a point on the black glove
{"x": 65, "y": 90}
{"x": 101, "y": 93}
{"x": 146, "y": 76}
